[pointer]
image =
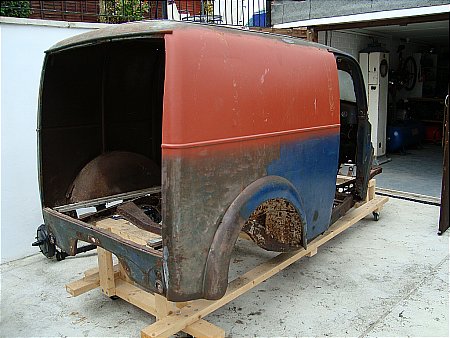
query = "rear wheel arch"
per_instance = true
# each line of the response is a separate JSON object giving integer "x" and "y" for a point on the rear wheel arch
{"x": 269, "y": 187}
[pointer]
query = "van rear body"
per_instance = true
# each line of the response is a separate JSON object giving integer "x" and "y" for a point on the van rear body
{"x": 208, "y": 131}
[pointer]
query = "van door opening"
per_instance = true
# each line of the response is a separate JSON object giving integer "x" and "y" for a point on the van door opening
{"x": 101, "y": 112}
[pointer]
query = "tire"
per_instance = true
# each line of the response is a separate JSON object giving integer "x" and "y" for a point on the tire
{"x": 409, "y": 70}
{"x": 376, "y": 216}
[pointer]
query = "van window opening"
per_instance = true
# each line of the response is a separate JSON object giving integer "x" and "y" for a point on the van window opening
{"x": 347, "y": 90}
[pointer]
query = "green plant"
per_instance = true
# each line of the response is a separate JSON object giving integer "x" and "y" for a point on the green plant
{"x": 18, "y": 9}
{"x": 118, "y": 11}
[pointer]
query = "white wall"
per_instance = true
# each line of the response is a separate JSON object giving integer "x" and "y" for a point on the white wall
{"x": 352, "y": 42}
{"x": 22, "y": 46}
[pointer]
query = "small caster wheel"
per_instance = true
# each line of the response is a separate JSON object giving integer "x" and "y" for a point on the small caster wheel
{"x": 114, "y": 297}
{"x": 376, "y": 215}
{"x": 183, "y": 335}
{"x": 61, "y": 255}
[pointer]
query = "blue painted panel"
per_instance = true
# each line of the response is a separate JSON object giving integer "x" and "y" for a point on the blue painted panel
{"x": 311, "y": 166}
{"x": 267, "y": 188}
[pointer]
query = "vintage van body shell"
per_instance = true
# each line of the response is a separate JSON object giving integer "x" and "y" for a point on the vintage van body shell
{"x": 246, "y": 118}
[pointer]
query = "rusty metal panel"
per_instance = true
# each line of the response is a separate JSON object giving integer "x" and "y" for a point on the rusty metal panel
{"x": 137, "y": 216}
{"x": 275, "y": 225}
{"x": 113, "y": 173}
{"x": 256, "y": 121}
{"x": 199, "y": 189}
{"x": 202, "y": 182}
{"x": 142, "y": 264}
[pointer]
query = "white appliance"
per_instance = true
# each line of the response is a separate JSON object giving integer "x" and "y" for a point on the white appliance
{"x": 375, "y": 69}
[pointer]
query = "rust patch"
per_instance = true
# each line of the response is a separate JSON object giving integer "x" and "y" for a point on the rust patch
{"x": 275, "y": 225}
{"x": 137, "y": 216}
{"x": 113, "y": 173}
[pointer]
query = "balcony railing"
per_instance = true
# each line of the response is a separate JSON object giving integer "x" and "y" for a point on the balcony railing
{"x": 244, "y": 13}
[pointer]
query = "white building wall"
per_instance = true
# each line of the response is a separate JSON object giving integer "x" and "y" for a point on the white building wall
{"x": 346, "y": 41}
{"x": 22, "y": 46}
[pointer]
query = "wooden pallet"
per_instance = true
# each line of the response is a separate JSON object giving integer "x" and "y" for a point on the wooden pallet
{"x": 187, "y": 316}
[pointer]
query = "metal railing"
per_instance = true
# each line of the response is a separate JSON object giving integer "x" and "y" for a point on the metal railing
{"x": 244, "y": 13}
{"x": 250, "y": 13}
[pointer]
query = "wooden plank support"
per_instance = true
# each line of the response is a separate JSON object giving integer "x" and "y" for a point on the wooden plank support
{"x": 136, "y": 296}
{"x": 187, "y": 316}
{"x": 140, "y": 298}
{"x": 202, "y": 328}
{"x": 371, "y": 189}
{"x": 106, "y": 272}
{"x": 370, "y": 194}
{"x": 198, "y": 309}
{"x": 160, "y": 307}
{"x": 312, "y": 253}
{"x": 90, "y": 281}
{"x": 163, "y": 307}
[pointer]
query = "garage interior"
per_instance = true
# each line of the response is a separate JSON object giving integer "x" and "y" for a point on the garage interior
{"x": 414, "y": 92}
{"x": 416, "y": 161}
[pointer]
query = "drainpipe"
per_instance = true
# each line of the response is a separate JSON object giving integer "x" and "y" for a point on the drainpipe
{"x": 268, "y": 13}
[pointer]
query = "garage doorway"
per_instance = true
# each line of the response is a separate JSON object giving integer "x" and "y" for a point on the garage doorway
{"x": 417, "y": 43}
{"x": 418, "y": 73}
{"x": 418, "y": 85}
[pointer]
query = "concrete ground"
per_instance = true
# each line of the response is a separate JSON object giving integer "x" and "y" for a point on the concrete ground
{"x": 417, "y": 170}
{"x": 385, "y": 278}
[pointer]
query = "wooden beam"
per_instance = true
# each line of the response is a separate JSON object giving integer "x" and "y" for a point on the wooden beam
{"x": 202, "y": 328}
{"x": 139, "y": 298}
{"x": 370, "y": 194}
{"x": 198, "y": 309}
{"x": 371, "y": 189}
{"x": 295, "y": 32}
{"x": 312, "y": 35}
{"x": 90, "y": 281}
{"x": 163, "y": 306}
{"x": 106, "y": 272}
{"x": 312, "y": 253}
{"x": 136, "y": 296}
{"x": 128, "y": 231}
{"x": 83, "y": 285}
{"x": 159, "y": 307}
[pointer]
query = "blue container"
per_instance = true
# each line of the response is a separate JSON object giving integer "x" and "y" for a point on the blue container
{"x": 403, "y": 134}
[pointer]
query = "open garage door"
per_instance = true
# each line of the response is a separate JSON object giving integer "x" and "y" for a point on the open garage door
{"x": 443, "y": 220}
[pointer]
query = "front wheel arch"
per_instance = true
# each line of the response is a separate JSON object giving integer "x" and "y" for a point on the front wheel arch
{"x": 217, "y": 265}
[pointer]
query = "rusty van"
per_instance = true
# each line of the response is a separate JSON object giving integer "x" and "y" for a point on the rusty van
{"x": 191, "y": 134}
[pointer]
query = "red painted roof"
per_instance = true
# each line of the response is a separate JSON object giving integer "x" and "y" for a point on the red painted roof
{"x": 224, "y": 85}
